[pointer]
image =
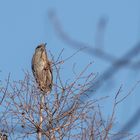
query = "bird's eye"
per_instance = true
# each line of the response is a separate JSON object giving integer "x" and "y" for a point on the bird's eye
{"x": 38, "y": 47}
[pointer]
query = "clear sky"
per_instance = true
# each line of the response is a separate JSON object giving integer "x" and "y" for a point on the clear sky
{"x": 25, "y": 24}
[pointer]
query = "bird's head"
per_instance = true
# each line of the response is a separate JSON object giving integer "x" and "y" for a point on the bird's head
{"x": 41, "y": 47}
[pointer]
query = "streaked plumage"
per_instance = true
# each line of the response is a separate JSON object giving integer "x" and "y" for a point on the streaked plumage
{"x": 41, "y": 68}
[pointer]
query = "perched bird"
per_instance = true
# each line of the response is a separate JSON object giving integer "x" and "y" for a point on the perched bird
{"x": 41, "y": 68}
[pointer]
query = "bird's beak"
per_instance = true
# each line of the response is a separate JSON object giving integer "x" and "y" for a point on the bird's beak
{"x": 45, "y": 44}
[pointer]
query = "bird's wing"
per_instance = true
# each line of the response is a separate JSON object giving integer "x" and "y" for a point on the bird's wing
{"x": 50, "y": 68}
{"x": 48, "y": 76}
{"x": 34, "y": 68}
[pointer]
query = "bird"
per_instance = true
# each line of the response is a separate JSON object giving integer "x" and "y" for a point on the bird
{"x": 42, "y": 69}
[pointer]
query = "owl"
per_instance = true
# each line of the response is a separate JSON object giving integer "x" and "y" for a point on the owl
{"x": 42, "y": 70}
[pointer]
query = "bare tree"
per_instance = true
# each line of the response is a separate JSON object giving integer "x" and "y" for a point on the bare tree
{"x": 64, "y": 114}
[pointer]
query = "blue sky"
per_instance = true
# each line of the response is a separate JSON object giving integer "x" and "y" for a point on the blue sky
{"x": 25, "y": 24}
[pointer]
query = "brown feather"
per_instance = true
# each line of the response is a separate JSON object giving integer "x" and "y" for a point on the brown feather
{"x": 41, "y": 68}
